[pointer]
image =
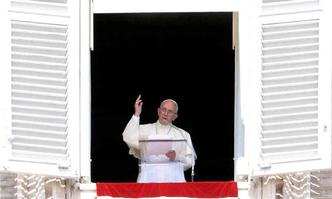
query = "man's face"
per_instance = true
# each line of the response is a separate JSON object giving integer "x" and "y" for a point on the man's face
{"x": 167, "y": 113}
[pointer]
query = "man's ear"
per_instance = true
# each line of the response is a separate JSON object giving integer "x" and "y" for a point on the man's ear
{"x": 175, "y": 116}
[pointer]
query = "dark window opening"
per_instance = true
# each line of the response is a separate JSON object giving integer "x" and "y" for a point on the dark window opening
{"x": 184, "y": 56}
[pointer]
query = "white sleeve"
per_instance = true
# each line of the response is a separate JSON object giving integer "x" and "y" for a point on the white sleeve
{"x": 131, "y": 135}
{"x": 190, "y": 154}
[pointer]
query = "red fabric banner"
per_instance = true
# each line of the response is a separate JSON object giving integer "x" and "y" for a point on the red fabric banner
{"x": 187, "y": 189}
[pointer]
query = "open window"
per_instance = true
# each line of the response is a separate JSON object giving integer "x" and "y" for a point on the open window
{"x": 161, "y": 43}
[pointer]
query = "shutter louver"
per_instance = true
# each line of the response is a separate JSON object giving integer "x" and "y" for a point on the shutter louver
{"x": 39, "y": 92}
{"x": 288, "y": 6}
{"x": 290, "y": 52}
{"x": 45, "y": 7}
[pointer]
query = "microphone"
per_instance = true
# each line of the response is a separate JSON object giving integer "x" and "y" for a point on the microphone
{"x": 192, "y": 171}
{"x": 193, "y": 155}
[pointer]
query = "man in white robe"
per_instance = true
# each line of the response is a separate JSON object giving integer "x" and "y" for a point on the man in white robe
{"x": 178, "y": 160}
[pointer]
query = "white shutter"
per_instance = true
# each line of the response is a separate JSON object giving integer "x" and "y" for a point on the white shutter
{"x": 44, "y": 87}
{"x": 295, "y": 88}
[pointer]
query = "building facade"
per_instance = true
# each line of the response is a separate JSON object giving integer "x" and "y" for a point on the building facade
{"x": 282, "y": 95}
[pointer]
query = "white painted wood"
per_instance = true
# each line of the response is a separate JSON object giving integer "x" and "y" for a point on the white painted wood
{"x": 295, "y": 93}
{"x": 41, "y": 113}
{"x": 125, "y": 6}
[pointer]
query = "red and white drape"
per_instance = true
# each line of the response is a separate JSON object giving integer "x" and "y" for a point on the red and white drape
{"x": 172, "y": 190}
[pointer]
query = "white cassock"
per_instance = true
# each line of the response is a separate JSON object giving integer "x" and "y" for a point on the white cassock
{"x": 172, "y": 171}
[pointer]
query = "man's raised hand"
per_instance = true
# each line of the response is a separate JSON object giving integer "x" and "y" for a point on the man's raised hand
{"x": 138, "y": 106}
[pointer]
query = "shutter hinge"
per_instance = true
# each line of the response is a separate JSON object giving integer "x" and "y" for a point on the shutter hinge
{"x": 11, "y": 139}
{"x": 64, "y": 165}
{"x": 264, "y": 165}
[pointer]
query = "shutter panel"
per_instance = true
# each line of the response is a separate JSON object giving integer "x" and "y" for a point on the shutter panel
{"x": 290, "y": 90}
{"x": 44, "y": 135}
{"x": 39, "y": 92}
{"x": 295, "y": 134}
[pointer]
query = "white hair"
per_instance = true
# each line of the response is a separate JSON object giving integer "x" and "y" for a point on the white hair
{"x": 173, "y": 101}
